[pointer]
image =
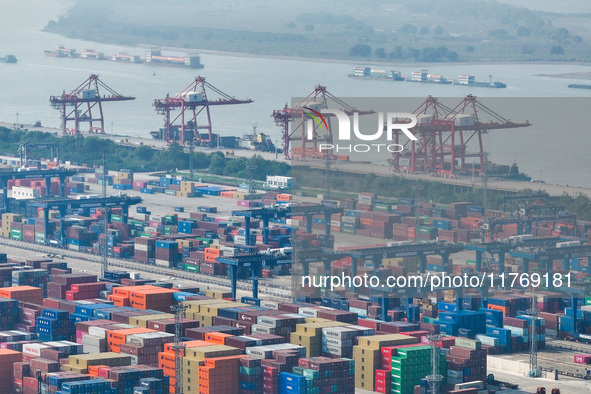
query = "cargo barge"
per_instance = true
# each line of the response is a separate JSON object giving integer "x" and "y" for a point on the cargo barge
{"x": 423, "y": 76}
{"x": 370, "y": 73}
{"x": 61, "y": 51}
{"x": 470, "y": 80}
{"x": 8, "y": 59}
{"x": 579, "y": 86}
{"x": 364, "y": 72}
{"x": 153, "y": 57}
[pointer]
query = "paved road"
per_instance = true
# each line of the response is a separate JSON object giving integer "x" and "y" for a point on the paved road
{"x": 91, "y": 263}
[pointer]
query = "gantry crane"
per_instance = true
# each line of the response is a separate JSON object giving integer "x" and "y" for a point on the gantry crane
{"x": 193, "y": 104}
{"x": 444, "y": 134}
{"x": 320, "y": 98}
{"x": 25, "y": 148}
{"x": 78, "y": 105}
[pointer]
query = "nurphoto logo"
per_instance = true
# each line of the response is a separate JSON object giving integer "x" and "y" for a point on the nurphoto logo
{"x": 402, "y": 121}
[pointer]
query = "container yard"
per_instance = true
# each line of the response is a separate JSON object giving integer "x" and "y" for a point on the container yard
{"x": 67, "y": 329}
{"x": 141, "y": 283}
{"x": 185, "y": 250}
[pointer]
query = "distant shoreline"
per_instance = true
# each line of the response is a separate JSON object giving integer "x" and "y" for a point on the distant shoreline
{"x": 578, "y": 75}
{"x": 368, "y": 62}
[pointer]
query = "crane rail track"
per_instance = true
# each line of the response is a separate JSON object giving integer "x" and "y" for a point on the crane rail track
{"x": 267, "y": 288}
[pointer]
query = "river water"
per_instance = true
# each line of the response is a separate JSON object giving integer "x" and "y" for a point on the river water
{"x": 557, "y": 146}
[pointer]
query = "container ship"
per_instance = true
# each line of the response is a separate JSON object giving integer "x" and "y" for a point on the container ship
{"x": 153, "y": 57}
{"x": 124, "y": 57}
{"x": 469, "y": 80}
{"x": 424, "y": 77}
{"x": 156, "y": 57}
{"x": 92, "y": 54}
{"x": 62, "y": 52}
{"x": 8, "y": 59}
{"x": 370, "y": 73}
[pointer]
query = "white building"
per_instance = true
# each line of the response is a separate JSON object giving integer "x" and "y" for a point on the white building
{"x": 25, "y": 193}
{"x": 279, "y": 182}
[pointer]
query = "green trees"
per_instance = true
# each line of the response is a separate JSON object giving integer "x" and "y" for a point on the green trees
{"x": 143, "y": 158}
{"x": 360, "y": 50}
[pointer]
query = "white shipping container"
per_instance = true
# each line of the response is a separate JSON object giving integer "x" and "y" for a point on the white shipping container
{"x": 270, "y": 304}
{"x": 91, "y": 340}
{"x": 348, "y": 343}
{"x": 34, "y": 349}
{"x": 140, "y": 247}
{"x": 333, "y": 350}
{"x": 163, "y": 263}
{"x": 477, "y": 384}
{"x": 517, "y": 331}
{"x": 339, "y": 332}
{"x": 312, "y": 312}
{"x": 261, "y": 329}
{"x": 486, "y": 340}
{"x": 94, "y": 349}
{"x": 360, "y": 312}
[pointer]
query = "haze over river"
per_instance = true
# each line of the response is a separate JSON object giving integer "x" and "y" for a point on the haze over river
{"x": 557, "y": 144}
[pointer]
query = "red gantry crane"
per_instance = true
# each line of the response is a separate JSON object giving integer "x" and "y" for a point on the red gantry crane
{"x": 319, "y": 99}
{"x": 81, "y": 103}
{"x": 193, "y": 104}
{"x": 443, "y": 136}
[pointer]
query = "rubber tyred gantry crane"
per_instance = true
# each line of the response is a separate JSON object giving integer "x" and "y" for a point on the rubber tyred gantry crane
{"x": 319, "y": 99}
{"x": 444, "y": 134}
{"x": 193, "y": 104}
{"x": 78, "y": 105}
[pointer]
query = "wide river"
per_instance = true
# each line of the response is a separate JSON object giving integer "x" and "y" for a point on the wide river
{"x": 556, "y": 146}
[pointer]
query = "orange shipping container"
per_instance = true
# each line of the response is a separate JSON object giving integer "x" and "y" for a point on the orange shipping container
{"x": 188, "y": 344}
{"x": 284, "y": 197}
{"x": 166, "y": 360}
{"x": 217, "y": 337}
{"x": 226, "y": 361}
{"x": 118, "y": 300}
{"x": 95, "y": 370}
{"x": 23, "y": 293}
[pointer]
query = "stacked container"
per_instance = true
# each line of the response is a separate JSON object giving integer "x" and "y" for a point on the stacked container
{"x": 251, "y": 375}
{"x": 466, "y": 362}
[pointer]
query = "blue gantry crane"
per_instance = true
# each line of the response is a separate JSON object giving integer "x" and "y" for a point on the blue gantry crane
{"x": 63, "y": 204}
{"x": 62, "y": 174}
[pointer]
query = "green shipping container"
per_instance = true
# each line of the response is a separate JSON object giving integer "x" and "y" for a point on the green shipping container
{"x": 16, "y": 234}
{"x": 426, "y": 230}
{"x": 39, "y": 238}
{"x": 191, "y": 268}
{"x": 170, "y": 192}
{"x": 382, "y": 207}
{"x": 206, "y": 241}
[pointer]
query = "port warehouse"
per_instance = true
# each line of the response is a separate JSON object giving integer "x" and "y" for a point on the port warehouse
{"x": 120, "y": 329}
